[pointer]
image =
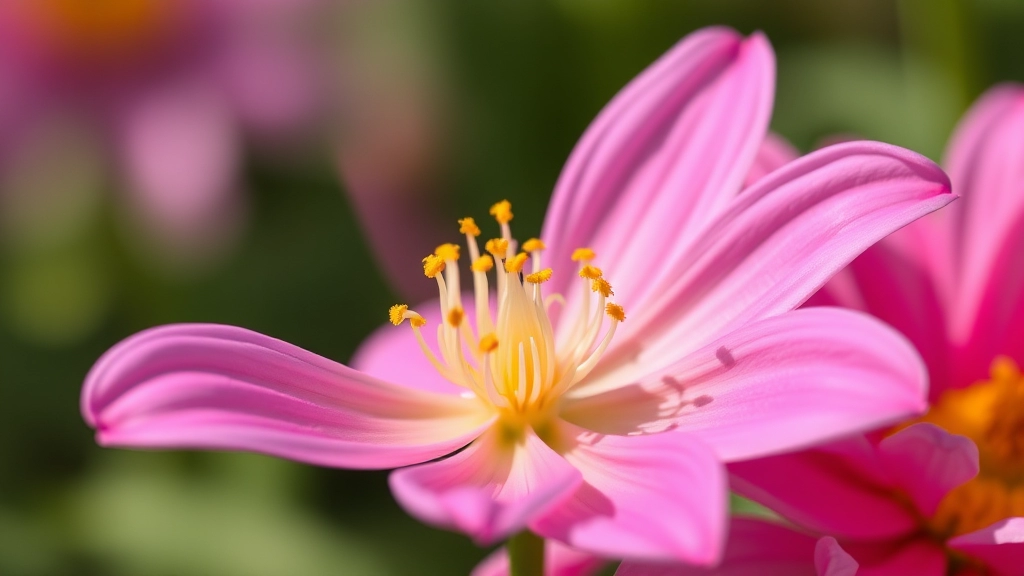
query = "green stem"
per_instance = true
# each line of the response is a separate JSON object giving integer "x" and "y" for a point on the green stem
{"x": 526, "y": 554}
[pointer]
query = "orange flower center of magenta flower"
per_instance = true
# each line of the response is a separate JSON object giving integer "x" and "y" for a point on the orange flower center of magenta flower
{"x": 100, "y": 29}
{"x": 991, "y": 413}
{"x": 508, "y": 356}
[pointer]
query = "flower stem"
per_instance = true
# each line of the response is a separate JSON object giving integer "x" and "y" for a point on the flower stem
{"x": 526, "y": 554}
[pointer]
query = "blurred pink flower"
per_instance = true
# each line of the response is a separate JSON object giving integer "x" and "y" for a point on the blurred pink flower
{"x": 169, "y": 86}
{"x": 919, "y": 501}
{"x": 620, "y": 457}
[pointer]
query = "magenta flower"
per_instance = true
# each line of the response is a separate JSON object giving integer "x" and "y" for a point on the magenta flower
{"x": 601, "y": 434}
{"x": 940, "y": 495}
{"x": 169, "y": 85}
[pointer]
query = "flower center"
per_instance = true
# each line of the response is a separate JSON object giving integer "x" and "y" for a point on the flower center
{"x": 991, "y": 413}
{"x": 99, "y": 29}
{"x": 508, "y": 357}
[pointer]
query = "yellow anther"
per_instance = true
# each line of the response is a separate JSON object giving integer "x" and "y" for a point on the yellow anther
{"x": 1004, "y": 369}
{"x": 615, "y": 311}
{"x": 433, "y": 265}
{"x": 590, "y": 272}
{"x": 468, "y": 226}
{"x": 533, "y": 244}
{"x": 582, "y": 255}
{"x": 455, "y": 316}
{"x": 397, "y": 313}
{"x": 601, "y": 285}
{"x": 539, "y": 277}
{"x": 515, "y": 264}
{"x": 418, "y": 321}
{"x": 447, "y": 251}
{"x": 497, "y": 246}
{"x": 502, "y": 211}
{"x": 483, "y": 264}
{"x": 488, "y": 343}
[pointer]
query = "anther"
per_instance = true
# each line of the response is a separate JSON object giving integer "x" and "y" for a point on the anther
{"x": 582, "y": 255}
{"x": 497, "y": 246}
{"x": 615, "y": 311}
{"x": 533, "y": 244}
{"x": 1003, "y": 369}
{"x": 455, "y": 316}
{"x": 590, "y": 272}
{"x": 515, "y": 264}
{"x": 468, "y": 226}
{"x": 483, "y": 264}
{"x": 539, "y": 277}
{"x": 447, "y": 251}
{"x": 433, "y": 265}
{"x": 602, "y": 286}
{"x": 417, "y": 321}
{"x": 397, "y": 313}
{"x": 488, "y": 343}
{"x": 502, "y": 212}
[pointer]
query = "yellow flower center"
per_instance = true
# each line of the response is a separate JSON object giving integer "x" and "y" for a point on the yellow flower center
{"x": 100, "y": 29}
{"x": 509, "y": 358}
{"x": 991, "y": 413}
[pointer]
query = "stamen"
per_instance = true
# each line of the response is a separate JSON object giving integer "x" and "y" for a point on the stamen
{"x": 502, "y": 212}
{"x": 447, "y": 252}
{"x": 498, "y": 247}
{"x": 488, "y": 343}
{"x": 601, "y": 286}
{"x": 615, "y": 311}
{"x": 455, "y": 316}
{"x": 583, "y": 255}
{"x": 483, "y": 264}
{"x": 397, "y": 313}
{"x": 590, "y": 272}
{"x": 533, "y": 244}
{"x": 468, "y": 226}
{"x": 539, "y": 277}
{"x": 433, "y": 265}
{"x": 515, "y": 264}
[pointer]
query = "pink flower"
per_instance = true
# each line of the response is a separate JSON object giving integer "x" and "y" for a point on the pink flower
{"x": 169, "y": 85}
{"x": 940, "y": 495}
{"x": 610, "y": 445}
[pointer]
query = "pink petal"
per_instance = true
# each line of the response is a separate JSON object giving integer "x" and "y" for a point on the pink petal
{"x": 559, "y": 560}
{"x": 774, "y": 385}
{"x": 985, "y": 164}
{"x": 491, "y": 489}
{"x": 755, "y": 548}
{"x": 670, "y": 150}
{"x": 928, "y": 462}
{"x": 897, "y": 282}
{"x": 831, "y": 560}
{"x": 1000, "y": 546}
{"x": 181, "y": 157}
{"x": 775, "y": 152}
{"x": 660, "y": 497}
{"x": 226, "y": 388}
{"x": 916, "y": 556}
{"x": 778, "y": 242}
{"x": 824, "y": 492}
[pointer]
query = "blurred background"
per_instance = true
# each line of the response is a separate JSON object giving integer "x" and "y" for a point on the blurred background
{"x": 283, "y": 164}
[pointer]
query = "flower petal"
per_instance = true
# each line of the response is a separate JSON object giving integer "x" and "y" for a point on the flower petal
{"x": 755, "y": 548}
{"x": 831, "y": 560}
{"x": 1000, "y": 546}
{"x": 559, "y": 560}
{"x": 227, "y": 388}
{"x": 927, "y": 462}
{"x": 778, "y": 242}
{"x": 985, "y": 165}
{"x": 491, "y": 489}
{"x": 917, "y": 556}
{"x": 671, "y": 149}
{"x": 660, "y": 497}
{"x": 826, "y": 492}
{"x": 774, "y": 385}
{"x": 775, "y": 152}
